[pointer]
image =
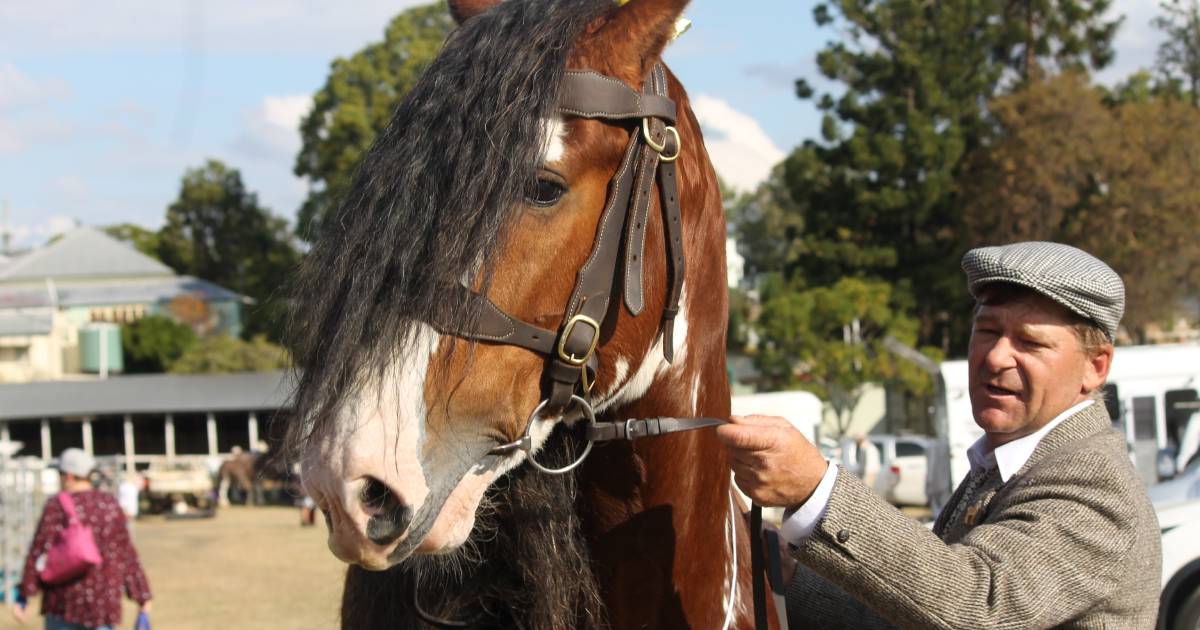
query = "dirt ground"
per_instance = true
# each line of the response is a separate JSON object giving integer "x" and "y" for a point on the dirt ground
{"x": 246, "y": 568}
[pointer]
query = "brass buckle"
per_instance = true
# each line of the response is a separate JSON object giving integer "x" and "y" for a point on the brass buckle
{"x": 659, "y": 147}
{"x": 566, "y": 334}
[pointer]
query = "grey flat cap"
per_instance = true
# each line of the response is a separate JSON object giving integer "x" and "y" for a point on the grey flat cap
{"x": 1072, "y": 277}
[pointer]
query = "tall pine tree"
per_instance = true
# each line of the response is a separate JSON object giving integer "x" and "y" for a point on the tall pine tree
{"x": 879, "y": 192}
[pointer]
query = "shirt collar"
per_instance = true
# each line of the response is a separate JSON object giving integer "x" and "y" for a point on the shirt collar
{"x": 1010, "y": 457}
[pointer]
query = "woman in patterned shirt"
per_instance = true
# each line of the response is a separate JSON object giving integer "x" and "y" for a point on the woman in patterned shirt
{"x": 92, "y": 602}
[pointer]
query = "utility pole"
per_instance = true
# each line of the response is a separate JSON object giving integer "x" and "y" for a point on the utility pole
{"x": 5, "y": 232}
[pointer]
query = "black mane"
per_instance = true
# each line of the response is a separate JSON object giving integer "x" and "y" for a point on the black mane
{"x": 430, "y": 201}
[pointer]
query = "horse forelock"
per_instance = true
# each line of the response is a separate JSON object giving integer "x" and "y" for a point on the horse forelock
{"x": 431, "y": 200}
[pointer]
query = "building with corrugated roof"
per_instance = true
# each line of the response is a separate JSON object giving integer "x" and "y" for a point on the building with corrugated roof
{"x": 48, "y": 296}
{"x": 142, "y": 419}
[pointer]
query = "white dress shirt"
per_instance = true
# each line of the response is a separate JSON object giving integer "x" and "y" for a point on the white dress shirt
{"x": 799, "y": 522}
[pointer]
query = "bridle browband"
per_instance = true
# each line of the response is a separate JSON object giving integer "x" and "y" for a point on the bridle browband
{"x": 654, "y": 145}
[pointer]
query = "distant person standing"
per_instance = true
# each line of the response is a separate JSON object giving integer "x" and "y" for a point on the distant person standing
{"x": 127, "y": 496}
{"x": 868, "y": 461}
{"x": 93, "y": 601}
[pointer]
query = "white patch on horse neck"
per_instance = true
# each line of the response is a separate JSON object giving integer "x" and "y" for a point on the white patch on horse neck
{"x": 554, "y": 147}
{"x": 695, "y": 393}
{"x": 681, "y": 327}
{"x": 731, "y": 594}
{"x": 653, "y": 365}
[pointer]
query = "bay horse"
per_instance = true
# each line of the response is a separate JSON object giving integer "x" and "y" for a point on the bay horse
{"x": 474, "y": 219}
{"x": 252, "y": 472}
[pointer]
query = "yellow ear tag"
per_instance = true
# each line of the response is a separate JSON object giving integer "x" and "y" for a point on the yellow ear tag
{"x": 681, "y": 26}
{"x": 622, "y": 3}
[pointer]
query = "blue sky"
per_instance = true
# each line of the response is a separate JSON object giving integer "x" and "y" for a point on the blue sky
{"x": 104, "y": 105}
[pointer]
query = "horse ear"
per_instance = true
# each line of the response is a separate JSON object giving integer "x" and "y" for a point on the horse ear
{"x": 631, "y": 38}
{"x": 463, "y": 10}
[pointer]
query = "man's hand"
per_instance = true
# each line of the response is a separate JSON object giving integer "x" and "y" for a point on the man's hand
{"x": 20, "y": 613}
{"x": 773, "y": 463}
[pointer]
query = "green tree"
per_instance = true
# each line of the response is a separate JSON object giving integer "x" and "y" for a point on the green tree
{"x": 154, "y": 343}
{"x": 1179, "y": 56}
{"x": 768, "y": 225}
{"x": 143, "y": 240}
{"x": 830, "y": 341}
{"x": 1115, "y": 177}
{"x": 356, "y": 103}
{"x": 216, "y": 230}
{"x": 223, "y": 354}
{"x": 878, "y": 194}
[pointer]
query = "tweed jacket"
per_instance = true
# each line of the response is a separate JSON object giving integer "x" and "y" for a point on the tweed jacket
{"x": 1069, "y": 541}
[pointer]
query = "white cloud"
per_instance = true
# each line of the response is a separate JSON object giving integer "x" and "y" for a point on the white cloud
{"x": 741, "y": 151}
{"x": 1136, "y": 42}
{"x": 25, "y": 118}
{"x": 26, "y": 235}
{"x": 18, "y": 91}
{"x": 319, "y": 27}
{"x": 271, "y": 129}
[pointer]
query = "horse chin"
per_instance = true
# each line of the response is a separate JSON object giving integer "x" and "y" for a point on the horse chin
{"x": 457, "y": 517}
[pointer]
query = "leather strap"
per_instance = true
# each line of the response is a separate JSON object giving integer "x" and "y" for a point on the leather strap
{"x": 588, "y": 94}
{"x": 496, "y": 326}
{"x": 646, "y": 427}
{"x": 591, "y": 95}
{"x": 673, "y": 228}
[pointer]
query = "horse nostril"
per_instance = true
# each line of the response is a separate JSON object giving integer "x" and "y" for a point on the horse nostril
{"x": 389, "y": 515}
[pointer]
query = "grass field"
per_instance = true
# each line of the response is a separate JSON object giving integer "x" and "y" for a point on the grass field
{"x": 252, "y": 568}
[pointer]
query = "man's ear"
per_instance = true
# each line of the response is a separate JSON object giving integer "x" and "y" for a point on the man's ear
{"x": 463, "y": 10}
{"x": 1095, "y": 371}
{"x": 629, "y": 40}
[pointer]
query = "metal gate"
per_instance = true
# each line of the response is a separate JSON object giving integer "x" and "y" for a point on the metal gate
{"x": 21, "y": 499}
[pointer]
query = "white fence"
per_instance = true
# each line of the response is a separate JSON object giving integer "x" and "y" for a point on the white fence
{"x": 21, "y": 499}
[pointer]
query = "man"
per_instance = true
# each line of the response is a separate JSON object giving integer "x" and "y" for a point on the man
{"x": 1052, "y": 527}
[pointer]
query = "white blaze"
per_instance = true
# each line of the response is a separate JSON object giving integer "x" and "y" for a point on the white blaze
{"x": 554, "y": 145}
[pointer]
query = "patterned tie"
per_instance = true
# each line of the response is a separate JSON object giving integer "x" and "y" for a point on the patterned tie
{"x": 975, "y": 481}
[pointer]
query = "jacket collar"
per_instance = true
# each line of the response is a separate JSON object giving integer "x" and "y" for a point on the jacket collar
{"x": 1089, "y": 421}
{"x": 1010, "y": 457}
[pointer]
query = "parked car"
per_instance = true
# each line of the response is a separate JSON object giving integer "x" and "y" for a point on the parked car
{"x": 903, "y": 462}
{"x": 1179, "y": 607}
{"x": 1184, "y": 486}
{"x": 177, "y": 486}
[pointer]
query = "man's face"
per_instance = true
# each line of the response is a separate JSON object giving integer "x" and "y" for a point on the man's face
{"x": 1026, "y": 366}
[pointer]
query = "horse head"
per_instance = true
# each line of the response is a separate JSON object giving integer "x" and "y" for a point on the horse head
{"x": 482, "y": 185}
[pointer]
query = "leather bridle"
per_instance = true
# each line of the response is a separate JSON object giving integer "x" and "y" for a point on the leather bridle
{"x": 654, "y": 145}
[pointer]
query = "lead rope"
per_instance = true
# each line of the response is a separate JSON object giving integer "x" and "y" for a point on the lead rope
{"x": 756, "y": 567}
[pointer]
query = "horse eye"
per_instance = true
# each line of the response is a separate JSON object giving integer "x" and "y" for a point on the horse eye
{"x": 545, "y": 192}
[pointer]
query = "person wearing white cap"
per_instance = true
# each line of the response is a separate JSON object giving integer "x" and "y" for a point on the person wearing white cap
{"x": 93, "y": 600}
{"x": 1051, "y": 528}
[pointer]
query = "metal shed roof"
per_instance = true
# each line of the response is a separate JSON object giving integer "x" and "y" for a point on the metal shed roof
{"x": 20, "y": 324}
{"x": 151, "y": 393}
{"x": 83, "y": 252}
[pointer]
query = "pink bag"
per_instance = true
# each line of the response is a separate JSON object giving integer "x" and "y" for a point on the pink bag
{"x": 74, "y": 551}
